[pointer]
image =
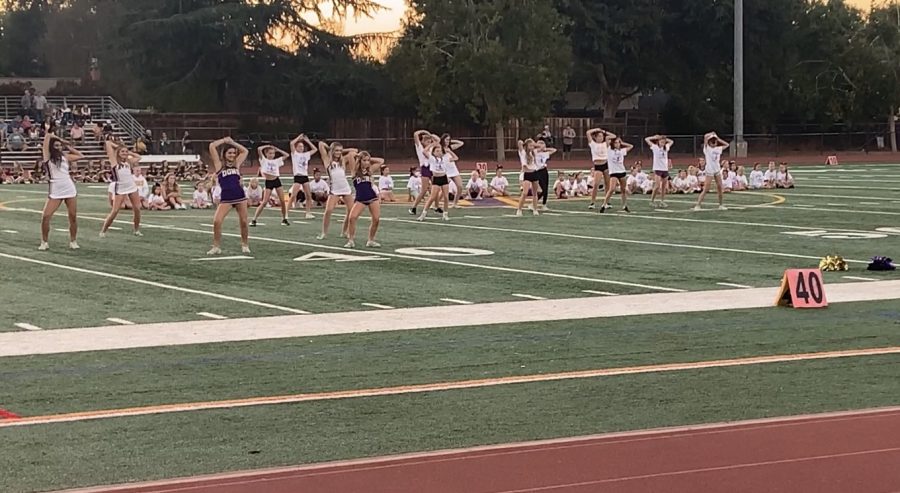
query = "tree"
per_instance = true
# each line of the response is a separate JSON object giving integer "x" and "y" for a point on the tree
{"x": 617, "y": 46}
{"x": 21, "y": 23}
{"x": 499, "y": 59}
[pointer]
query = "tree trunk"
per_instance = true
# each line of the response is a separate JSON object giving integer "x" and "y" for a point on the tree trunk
{"x": 500, "y": 141}
{"x": 892, "y": 129}
{"x": 610, "y": 106}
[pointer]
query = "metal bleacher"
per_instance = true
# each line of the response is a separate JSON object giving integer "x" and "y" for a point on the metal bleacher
{"x": 103, "y": 108}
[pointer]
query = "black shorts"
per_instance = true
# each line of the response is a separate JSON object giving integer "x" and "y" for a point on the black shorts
{"x": 601, "y": 167}
{"x": 301, "y": 179}
{"x": 567, "y": 147}
{"x": 273, "y": 184}
{"x": 531, "y": 176}
{"x": 440, "y": 181}
{"x": 618, "y": 175}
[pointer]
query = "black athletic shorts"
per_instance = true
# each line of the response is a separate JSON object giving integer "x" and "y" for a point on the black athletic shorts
{"x": 301, "y": 179}
{"x": 601, "y": 167}
{"x": 618, "y": 175}
{"x": 440, "y": 180}
{"x": 532, "y": 176}
{"x": 273, "y": 184}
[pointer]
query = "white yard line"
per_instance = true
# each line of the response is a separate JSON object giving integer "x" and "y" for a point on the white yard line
{"x": 457, "y": 302}
{"x": 601, "y": 293}
{"x": 851, "y": 187}
{"x": 251, "y": 329}
{"x": 870, "y": 203}
{"x": 732, "y": 285}
{"x": 212, "y": 316}
{"x": 120, "y": 321}
{"x": 25, "y": 326}
{"x": 633, "y": 242}
{"x": 235, "y": 257}
{"x": 376, "y": 305}
{"x": 854, "y": 278}
{"x": 152, "y": 283}
{"x": 528, "y": 296}
{"x": 803, "y": 205}
{"x": 852, "y": 211}
{"x": 11, "y": 231}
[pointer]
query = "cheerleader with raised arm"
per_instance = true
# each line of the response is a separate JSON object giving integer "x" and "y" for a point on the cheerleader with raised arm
{"x": 440, "y": 183}
{"x": 450, "y": 146}
{"x": 301, "y": 152}
{"x": 422, "y": 140}
{"x": 542, "y": 155}
{"x": 530, "y": 176}
{"x": 366, "y": 198}
{"x": 712, "y": 151}
{"x": 616, "y": 155}
{"x": 227, "y": 157}
{"x": 271, "y": 159}
{"x": 598, "y": 141}
{"x": 59, "y": 159}
{"x": 336, "y": 160}
{"x": 123, "y": 163}
{"x": 660, "y": 146}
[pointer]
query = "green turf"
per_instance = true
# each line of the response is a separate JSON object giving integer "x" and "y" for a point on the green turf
{"x": 646, "y": 249}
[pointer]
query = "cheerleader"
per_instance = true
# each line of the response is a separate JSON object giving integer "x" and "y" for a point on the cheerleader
{"x": 616, "y": 155}
{"x": 440, "y": 183}
{"x": 529, "y": 176}
{"x": 124, "y": 186}
{"x": 660, "y": 146}
{"x": 542, "y": 155}
{"x": 335, "y": 158}
{"x": 271, "y": 159}
{"x": 598, "y": 140}
{"x": 422, "y": 139}
{"x": 366, "y": 197}
{"x": 450, "y": 146}
{"x": 59, "y": 157}
{"x": 712, "y": 150}
{"x": 227, "y": 163}
{"x": 300, "y": 157}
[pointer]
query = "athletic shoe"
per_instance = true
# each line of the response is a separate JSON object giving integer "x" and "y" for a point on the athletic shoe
{"x": 698, "y": 208}
{"x": 138, "y": 233}
{"x": 445, "y": 216}
{"x": 44, "y": 246}
{"x": 664, "y": 205}
{"x": 422, "y": 217}
{"x": 439, "y": 210}
{"x": 285, "y": 222}
{"x": 214, "y": 251}
{"x": 309, "y": 215}
{"x": 603, "y": 208}
{"x": 350, "y": 244}
{"x": 320, "y": 236}
{"x": 591, "y": 207}
{"x": 625, "y": 209}
{"x": 73, "y": 245}
{"x": 253, "y": 223}
{"x": 245, "y": 249}
{"x": 653, "y": 205}
{"x": 412, "y": 211}
{"x": 535, "y": 213}
{"x": 544, "y": 208}
{"x": 723, "y": 208}
{"x": 519, "y": 213}
{"x": 373, "y": 244}
{"x": 103, "y": 234}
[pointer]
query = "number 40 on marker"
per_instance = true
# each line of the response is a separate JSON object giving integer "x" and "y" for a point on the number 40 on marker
{"x": 802, "y": 288}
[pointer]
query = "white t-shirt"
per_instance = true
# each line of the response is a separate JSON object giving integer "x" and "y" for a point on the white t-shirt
{"x": 680, "y": 183}
{"x": 583, "y": 186}
{"x": 475, "y": 183}
{"x": 499, "y": 183}
{"x": 300, "y": 161}
{"x": 783, "y": 177}
{"x": 385, "y": 183}
{"x": 414, "y": 184}
{"x": 728, "y": 181}
{"x": 523, "y": 159}
{"x": 201, "y": 198}
{"x": 320, "y": 186}
{"x": 540, "y": 159}
{"x": 156, "y": 199}
{"x": 423, "y": 159}
{"x": 771, "y": 176}
{"x": 217, "y": 193}
{"x": 641, "y": 178}
{"x": 452, "y": 187}
{"x": 713, "y": 155}
{"x": 617, "y": 160}
{"x": 254, "y": 193}
{"x": 693, "y": 182}
{"x": 271, "y": 167}
{"x": 142, "y": 185}
{"x": 438, "y": 165}
{"x": 739, "y": 180}
{"x": 599, "y": 150}
{"x": 757, "y": 179}
{"x": 661, "y": 156}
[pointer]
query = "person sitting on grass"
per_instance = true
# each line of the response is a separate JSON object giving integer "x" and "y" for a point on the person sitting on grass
{"x": 319, "y": 189}
{"x": 157, "y": 202}
{"x": 386, "y": 185}
{"x": 739, "y": 181}
{"x": 201, "y": 198}
{"x": 680, "y": 184}
{"x": 561, "y": 186}
{"x": 254, "y": 193}
{"x": 499, "y": 184}
{"x": 757, "y": 178}
{"x": 172, "y": 192}
{"x": 215, "y": 190}
{"x": 783, "y": 178}
{"x": 414, "y": 184}
{"x": 476, "y": 186}
{"x": 770, "y": 176}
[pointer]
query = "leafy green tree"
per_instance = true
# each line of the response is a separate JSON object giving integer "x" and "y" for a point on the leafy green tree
{"x": 498, "y": 59}
{"x": 22, "y": 24}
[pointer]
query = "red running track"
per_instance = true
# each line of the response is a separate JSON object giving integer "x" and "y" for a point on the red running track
{"x": 839, "y": 452}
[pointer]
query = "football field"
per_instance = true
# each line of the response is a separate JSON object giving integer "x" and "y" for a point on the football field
{"x": 495, "y": 297}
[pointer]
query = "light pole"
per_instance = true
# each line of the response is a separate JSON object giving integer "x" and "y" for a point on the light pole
{"x": 739, "y": 147}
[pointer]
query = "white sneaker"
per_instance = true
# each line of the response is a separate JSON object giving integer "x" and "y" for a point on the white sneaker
{"x": 138, "y": 233}
{"x": 445, "y": 216}
{"x": 245, "y": 249}
{"x": 44, "y": 246}
{"x": 664, "y": 205}
{"x": 519, "y": 213}
{"x": 350, "y": 244}
{"x": 536, "y": 213}
{"x": 103, "y": 234}
{"x": 320, "y": 236}
{"x": 544, "y": 208}
{"x": 591, "y": 207}
{"x": 723, "y": 208}
{"x": 309, "y": 215}
{"x": 214, "y": 251}
{"x": 373, "y": 244}
{"x": 73, "y": 245}
{"x": 698, "y": 208}
{"x": 421, "y": 217}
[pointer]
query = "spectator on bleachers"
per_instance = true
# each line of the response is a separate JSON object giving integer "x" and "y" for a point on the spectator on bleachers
{"x": 86, "y": 113}
{"x": 172, "y": 192}
{"x": 16, "y": 141}
{"x": 147, "y": 139}
{"x": 163, "y": 144}
{"x": 108, "y": 133}
{"x": 76, "y": 134}
{"x": 40, "y": 107}
{"x": 27, "y": 102}
{"x": 187, "y": 145}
